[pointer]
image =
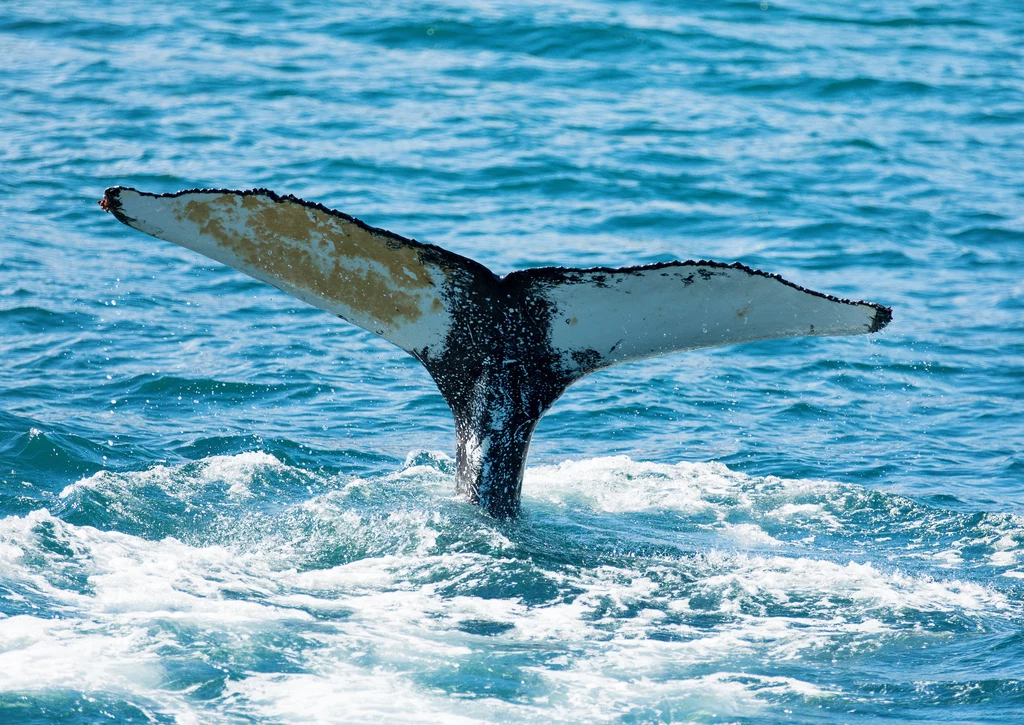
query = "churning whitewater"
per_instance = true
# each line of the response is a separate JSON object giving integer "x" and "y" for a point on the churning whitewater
{"x": 331, "y": 597}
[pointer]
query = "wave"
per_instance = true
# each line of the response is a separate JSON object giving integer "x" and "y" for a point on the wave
{"x": 242, "y": 586}
{"x": 37, "y": 320}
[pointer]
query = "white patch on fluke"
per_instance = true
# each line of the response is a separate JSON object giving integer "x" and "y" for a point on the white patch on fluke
{"x": 632, "y": 314}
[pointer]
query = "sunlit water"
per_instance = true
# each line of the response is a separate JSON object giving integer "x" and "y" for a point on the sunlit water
{"x": 218, "y": 505}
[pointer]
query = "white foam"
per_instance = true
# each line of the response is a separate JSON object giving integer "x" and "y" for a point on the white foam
{"x": 750, "y": 534}
{"x": 614, "y": 637}
{"x": 239, "y": 470}
{"x": 344, "y": 693}
{"x": 618, "y": 484}
{"x": 91, "y": 657}
{"x": 590, "y": 696}
{"x": 184, "y": 482}
{"x": 778, "y": 578}
{"x": 40, "y": 654}
{"x": 137, "y": 577}
{"x": 1005, "y": 553}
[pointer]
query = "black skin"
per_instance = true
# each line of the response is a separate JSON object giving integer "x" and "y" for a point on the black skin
{"x": 499, "y": 373}
{"x": 499, "y": 376}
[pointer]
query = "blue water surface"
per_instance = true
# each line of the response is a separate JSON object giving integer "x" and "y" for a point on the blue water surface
{"x": 218, "y": 505}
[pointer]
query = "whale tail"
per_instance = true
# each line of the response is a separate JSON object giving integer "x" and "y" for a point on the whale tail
{"x": 500, "y": 349}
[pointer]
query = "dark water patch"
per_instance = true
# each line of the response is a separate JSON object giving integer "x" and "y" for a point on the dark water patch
{"x": 860, "y": 143}
{"x": 504, "y": 677}
{"x": 896, "y": 22}
{"x": 24, "y": 599}
{"x": 932, "y": 700}
{"x": 833, "y": 231}
{"x": 35, "y": 320}
{"x": 830, "y": 88}
{"x": 78, "y": 708}
{"x": 484, "y": 628}
{"x": 200, "y": 680}
{"x": 994, "y": 117}
{"x": 48, "y": 455}
{"x": 991, "y": 235}
{"x": 221, "y": 390}
{"x": 512, "y": 35}
{"x": 885, "y": 258}
{"x": 140, "y": 509}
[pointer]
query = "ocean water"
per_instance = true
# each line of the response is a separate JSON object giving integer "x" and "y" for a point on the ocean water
{"x": 218, "y": 505}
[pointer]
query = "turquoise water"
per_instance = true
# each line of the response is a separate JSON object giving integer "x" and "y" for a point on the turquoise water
{"x": 218, "y": 505}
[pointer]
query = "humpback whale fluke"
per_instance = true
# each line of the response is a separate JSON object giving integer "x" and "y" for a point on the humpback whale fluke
{"x": 501, "y": 349}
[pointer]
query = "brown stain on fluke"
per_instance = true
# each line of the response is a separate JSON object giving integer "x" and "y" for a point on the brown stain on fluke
{"x": 195, "y": 212}
{"x": 309, "y": 249}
